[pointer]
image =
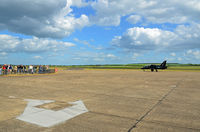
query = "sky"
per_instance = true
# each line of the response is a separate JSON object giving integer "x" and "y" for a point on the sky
{"x": 84, "y": 32}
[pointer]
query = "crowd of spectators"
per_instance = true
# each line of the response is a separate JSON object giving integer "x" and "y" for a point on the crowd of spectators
{"x": 23, "y": 69}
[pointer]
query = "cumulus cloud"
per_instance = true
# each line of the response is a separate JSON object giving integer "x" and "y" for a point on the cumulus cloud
{"x": 179, "y": 59}
{"x": 193, "y": 53}
{"x": 37, "y": 57}
{"x": 109, "y": 12}
{"x": 173, "y": 54}
{"x": 3, "y": 53}
{"x": 88, "y": 44}
{"x": 82, "y": 41}
{"x": 55, "y": 19}
{"x": 94, "y": 57}
{"x": 134, "y": 19}
{"x": 142, "y": 39}
{"x": 135, "y": 55}
{"x": 79, "y": 3}
{"x": 15, "y": 44}
{"x": 110, "y": 56}
{"x": 46, "y": 18}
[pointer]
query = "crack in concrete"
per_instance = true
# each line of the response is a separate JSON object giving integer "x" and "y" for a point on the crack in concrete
{"x": 154, "y": 106}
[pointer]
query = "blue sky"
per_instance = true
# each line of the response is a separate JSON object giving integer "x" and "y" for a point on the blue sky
{"x": 69, "y": 32}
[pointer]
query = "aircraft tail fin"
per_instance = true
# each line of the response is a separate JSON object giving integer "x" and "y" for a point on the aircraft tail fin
{"x": 163, "y": 64}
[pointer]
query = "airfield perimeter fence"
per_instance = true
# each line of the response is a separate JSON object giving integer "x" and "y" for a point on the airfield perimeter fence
{"x": 28, "y": 71}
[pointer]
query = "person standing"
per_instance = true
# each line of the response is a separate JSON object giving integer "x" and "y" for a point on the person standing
{"x": 44, "y": 68}
{"x": 15, "y": 69}
{"x": 31, "y": 69}
{"x": 40, "y": 69}
{"x": 24, "y": 67}
{"x": 5, "y": 69}
{"x": 21, "y": 68}
{"x": 18, "y": 67}
{"x": 34, "y": 69}
{"x": 10, "y": 69}
{"x": 0, "y": 70}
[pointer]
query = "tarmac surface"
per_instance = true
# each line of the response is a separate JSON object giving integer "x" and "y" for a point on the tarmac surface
{"x": 117, "y": 100}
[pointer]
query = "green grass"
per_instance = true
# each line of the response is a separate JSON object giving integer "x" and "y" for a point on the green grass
{"x": 171, "y": 66}
{"x": 184, "y": 68}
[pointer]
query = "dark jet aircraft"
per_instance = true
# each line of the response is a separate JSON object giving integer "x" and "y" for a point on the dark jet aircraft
{"x": 156, "y": 67}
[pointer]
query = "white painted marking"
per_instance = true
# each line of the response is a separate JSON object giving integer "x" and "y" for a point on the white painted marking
{"x": 48, "y": 118}
{"x": 173, "y": 86}
{"x": 12, "y": 97}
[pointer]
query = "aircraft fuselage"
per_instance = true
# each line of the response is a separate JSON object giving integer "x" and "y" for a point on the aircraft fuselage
{"x": 155, "y": 67}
